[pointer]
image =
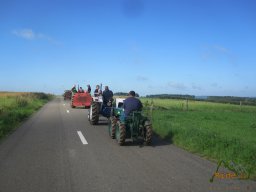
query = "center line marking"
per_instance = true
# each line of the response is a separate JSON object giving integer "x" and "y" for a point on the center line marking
{"x": 82, "y": 137}
{"x": 67, "y": 111}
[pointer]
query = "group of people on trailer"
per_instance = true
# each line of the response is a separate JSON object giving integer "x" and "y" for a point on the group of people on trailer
{"x": 130, "y": 104}
{"x": 80, "y": 89}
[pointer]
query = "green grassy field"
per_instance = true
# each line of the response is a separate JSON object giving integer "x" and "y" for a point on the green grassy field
{"x": 216, "y": 131}
{"x": 15, "y": 107}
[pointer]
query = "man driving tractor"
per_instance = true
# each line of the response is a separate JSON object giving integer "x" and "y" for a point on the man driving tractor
{"x": 132, "y": 104}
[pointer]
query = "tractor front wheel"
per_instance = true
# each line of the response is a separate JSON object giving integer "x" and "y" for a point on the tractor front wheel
{"x": 120, "y": 133}
{"x": 94, "y": 113}
{"x": 148, "y": 132}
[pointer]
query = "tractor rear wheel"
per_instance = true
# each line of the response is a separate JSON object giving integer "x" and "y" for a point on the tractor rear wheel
{"x": 120, "y": 133}
{"x": 94, "y": 113}
{"x": 112, "y": 127}
{"x": 148, "y": 132}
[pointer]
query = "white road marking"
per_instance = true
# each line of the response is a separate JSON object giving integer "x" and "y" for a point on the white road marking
{"x": 67, "y": 111}
{"x": 82, "y": 137}
{"x": 64, "y": 104}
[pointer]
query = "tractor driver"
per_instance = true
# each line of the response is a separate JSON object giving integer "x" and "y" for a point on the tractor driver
{"x": 107, "y": 97}
{"x": 132, "y": 104}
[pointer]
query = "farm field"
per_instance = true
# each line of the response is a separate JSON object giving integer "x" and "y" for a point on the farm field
{"x": 16, "y": 106}
{"x": 216, "y": 131}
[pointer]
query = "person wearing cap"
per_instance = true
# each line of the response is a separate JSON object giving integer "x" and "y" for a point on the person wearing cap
{"x": 132, "y": 104}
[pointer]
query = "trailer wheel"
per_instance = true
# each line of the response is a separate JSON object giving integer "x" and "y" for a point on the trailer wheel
{"x": 71, "y": 103}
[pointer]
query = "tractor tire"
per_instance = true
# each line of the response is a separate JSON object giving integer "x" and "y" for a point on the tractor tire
{"x": 112, "y": 127}
{"x": 94, "y": 113}
{"x": 71, "y": 103}
{"x": 120, "y": 133}
{"x": 148, "y": 131}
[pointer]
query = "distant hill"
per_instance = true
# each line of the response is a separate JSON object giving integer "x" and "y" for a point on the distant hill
{"x": 233, "y": 100}
{"x": 201, "y": 97}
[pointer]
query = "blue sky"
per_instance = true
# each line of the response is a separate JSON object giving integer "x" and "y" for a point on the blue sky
{"x": 197, "y": 47}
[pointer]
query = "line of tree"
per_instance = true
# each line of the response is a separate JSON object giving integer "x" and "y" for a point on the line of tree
{"x": 232, "y": 100}
{"x": 171, "y": 96}
{"x": 124, "y": 94}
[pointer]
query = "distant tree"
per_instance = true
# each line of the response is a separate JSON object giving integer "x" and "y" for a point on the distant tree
{"x": 120, "y": 94}
{"x": 124, "y": 94}
{"x": 171, "y": 96}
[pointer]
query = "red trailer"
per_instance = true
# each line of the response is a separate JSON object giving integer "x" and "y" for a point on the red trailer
{"x": 81, "y": 100}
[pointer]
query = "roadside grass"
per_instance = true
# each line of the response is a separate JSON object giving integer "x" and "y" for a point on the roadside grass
{"x": 15, "y": 107}
{"x": 216, "y": 131}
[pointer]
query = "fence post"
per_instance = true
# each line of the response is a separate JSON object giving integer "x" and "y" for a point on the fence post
{"x": 187, "y": 104}
{"x": 151, "y": 111}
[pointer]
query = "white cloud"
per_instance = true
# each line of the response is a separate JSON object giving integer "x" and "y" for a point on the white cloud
{"x": 29, "y": 34}
{"x": 25, "y": 33}
{"x": 217, "y": 53}
{"x": 221, "y": 49}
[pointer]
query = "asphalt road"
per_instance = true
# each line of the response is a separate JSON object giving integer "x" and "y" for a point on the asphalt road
{"x": 46, "y": 154}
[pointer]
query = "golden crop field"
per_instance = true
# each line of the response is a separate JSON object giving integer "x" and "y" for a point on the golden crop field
{"x": 9, "y": 94}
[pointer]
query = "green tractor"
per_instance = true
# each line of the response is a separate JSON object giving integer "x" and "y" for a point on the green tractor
{"x": 134, "y": 126}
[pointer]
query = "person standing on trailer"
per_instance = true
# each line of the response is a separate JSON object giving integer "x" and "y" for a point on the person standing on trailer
{"x": 107, "y": 97}
{"x": 89, "y": 89}
{"x": 97, "y": 91}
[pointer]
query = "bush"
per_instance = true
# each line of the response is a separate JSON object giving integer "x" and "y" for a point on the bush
{"x": 21, "y": 101}
{"x": 15, "y": 107}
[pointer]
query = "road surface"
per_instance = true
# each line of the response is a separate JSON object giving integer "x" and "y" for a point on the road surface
{"x": 58, "y": 150}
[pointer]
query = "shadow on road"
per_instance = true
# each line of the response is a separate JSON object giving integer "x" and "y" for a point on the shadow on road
{"x": 102, "y": 122}
{"x": 157, "y": 141}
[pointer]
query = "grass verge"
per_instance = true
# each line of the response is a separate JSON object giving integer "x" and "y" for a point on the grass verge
{"x": 15, "y": 107}
{"x": 216, "y": 131}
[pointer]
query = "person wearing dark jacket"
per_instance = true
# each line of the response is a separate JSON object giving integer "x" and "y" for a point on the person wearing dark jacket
{"x": 89, "y": 89}
{"x": 132, "y": 104}
{"x": 107, "y": 96}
